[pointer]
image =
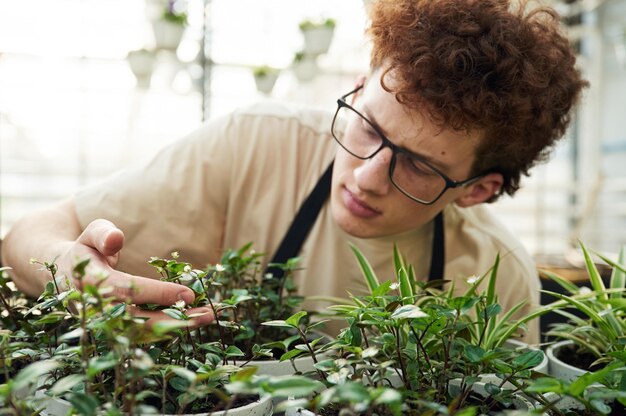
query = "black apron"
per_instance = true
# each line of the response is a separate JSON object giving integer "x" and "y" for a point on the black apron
{"x": 309, "y": 210}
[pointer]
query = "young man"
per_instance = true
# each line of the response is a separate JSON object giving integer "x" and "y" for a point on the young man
{"x": 464, "y": 97}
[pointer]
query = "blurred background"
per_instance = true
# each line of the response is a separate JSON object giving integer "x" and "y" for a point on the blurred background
{"x": 90, "y": 86}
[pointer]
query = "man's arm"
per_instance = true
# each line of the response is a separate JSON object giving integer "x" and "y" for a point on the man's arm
{"x": 55, "y": 233}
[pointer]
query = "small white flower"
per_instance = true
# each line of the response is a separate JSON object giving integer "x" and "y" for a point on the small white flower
{"x": 187, "y": 269}
{"x": 219, "y": 267}
{"x": 584, "y": 290}
{"x": 472, "y": 279}
{"x": 394, "y": 286}
{"x": 180, "y": 304}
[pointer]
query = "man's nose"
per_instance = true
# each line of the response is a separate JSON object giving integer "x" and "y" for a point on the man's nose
{"x": 372, "y": 175}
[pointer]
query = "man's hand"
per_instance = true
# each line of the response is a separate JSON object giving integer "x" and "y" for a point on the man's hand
{"x": 102, "y": 242}
{"x": 56, "y": 231}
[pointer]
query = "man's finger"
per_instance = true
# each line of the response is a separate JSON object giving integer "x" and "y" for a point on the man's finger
{"x": 137, "y": 289}
{"x": 201, "y": 316}
{"x": 103, "y": 236}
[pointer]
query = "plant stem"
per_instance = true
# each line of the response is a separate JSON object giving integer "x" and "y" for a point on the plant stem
{"x": 399, "y": 352}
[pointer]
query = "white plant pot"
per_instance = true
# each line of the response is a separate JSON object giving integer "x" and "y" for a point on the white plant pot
{"x": 566, "y": 372}
{"x": 167, "y": 35}
{"x": 265, "y": 83}
{"x": 561, "y": 369}
{"x": 262, "y": 407}
{"x": 305, "y": 69}
{"x": 142, "y": 65}
{"x": 282, "y": 368}
{"x": 519, "y": 401}
{"x": 317, "y": 40}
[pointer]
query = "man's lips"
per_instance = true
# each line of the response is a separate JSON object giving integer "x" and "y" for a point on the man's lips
{"x": 357, "y": 207}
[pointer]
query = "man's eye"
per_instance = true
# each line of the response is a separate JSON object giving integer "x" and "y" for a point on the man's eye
{"x": 420, "y": 168}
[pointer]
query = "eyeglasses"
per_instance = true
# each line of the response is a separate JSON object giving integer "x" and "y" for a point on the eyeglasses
{"x": 410, "y": 173}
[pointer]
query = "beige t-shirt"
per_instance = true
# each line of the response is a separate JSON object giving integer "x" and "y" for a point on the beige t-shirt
{"x": 241, "y": 178}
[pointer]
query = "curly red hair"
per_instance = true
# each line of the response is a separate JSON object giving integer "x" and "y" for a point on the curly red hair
{"x": 482, "y": 64}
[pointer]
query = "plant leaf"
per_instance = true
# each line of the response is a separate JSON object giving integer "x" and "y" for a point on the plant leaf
{"x": 594, "y": 276}
{"x": 366, "y": 268}
{"x": 294, "y": 320}
{"x": 408, "y": 312}
{"x": 33, "y": 371}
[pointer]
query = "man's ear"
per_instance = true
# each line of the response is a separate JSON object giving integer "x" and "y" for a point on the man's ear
{"x": 360, "y": 81}
{"x": 481, "y": 191}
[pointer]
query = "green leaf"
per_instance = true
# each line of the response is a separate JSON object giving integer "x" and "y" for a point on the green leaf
{"x": 352, "y": 392}
{"x": 66, "y": 383}
{"x": 474, "y": 353}
{"x": 492, "y": 389}
{"x": 233, "y": 351}
{"x": 245, "y": 374}
{"x": 296, "y": 386}
{"x": 601, "y": 407}
{"x": 594, "y": 276}
{"x": 294, "y": 320}
{"x": 290, "y": 354}
{"x": 117, "y": 310}
{"x": 176, "y": 314}
{"x": 366, "y": 269}
{"x": 33, "y": 371}
{"x": 408, "y": 312}
{"x": 51, "y": 317}
{"x": 184, "y": 373}
{"x": 402, "y": 275}
{"x": 277, "y": 323}
{"x": 162, "y": 327}
{"x": 618, "y": 275}
{"x": 491, "y": 288}
{"x": 389, "y": 396}
{"x": 84, "y": 404}
{"x": 99, "y": 364}
{"x": 76, "y": 333}
{"x": 528, "y": 359}
{"x": 547, "y": 385}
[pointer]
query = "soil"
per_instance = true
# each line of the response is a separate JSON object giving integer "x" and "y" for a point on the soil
{"x": 572, "y": 356}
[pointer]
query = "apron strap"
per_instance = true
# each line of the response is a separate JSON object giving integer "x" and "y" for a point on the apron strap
{"x": 437, "y": 260}
{"x": 303, "y": 222}
{"x": 307, "y": 214}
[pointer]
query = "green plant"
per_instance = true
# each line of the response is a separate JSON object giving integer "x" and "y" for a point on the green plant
{"x": 174, "y": 13}
{"x": 602, "y": 332}
{"x": 595, "y": 392}
{"x": 95, "y": 354}
{"x": 257, "y": 314}
{"x": 422, "y": 342}
{"x": 298, "y": 57}
{"x": 308, "y": 24}
{"x": 264, "y": 71}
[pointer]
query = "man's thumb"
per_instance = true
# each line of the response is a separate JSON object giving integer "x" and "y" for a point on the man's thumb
{"x": 103, "y": 236}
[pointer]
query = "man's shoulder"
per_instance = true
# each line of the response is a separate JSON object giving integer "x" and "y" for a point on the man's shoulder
{"x": 270, "y": 112}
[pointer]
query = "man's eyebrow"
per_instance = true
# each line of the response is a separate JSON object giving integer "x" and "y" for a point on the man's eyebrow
{"x": 439, "y": 165}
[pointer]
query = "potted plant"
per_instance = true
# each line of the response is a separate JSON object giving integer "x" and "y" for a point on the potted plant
{"x": 596, "y": 340}
{"x": 318, "y": 35}
{"x": 431, "y": 348}
{"x": 102, "y": 359}
{"x": 304, "y": 66}
{"x": 169, "y": 27}
{"x": 141, "y": 62}
{"x": 265, "y": 77}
